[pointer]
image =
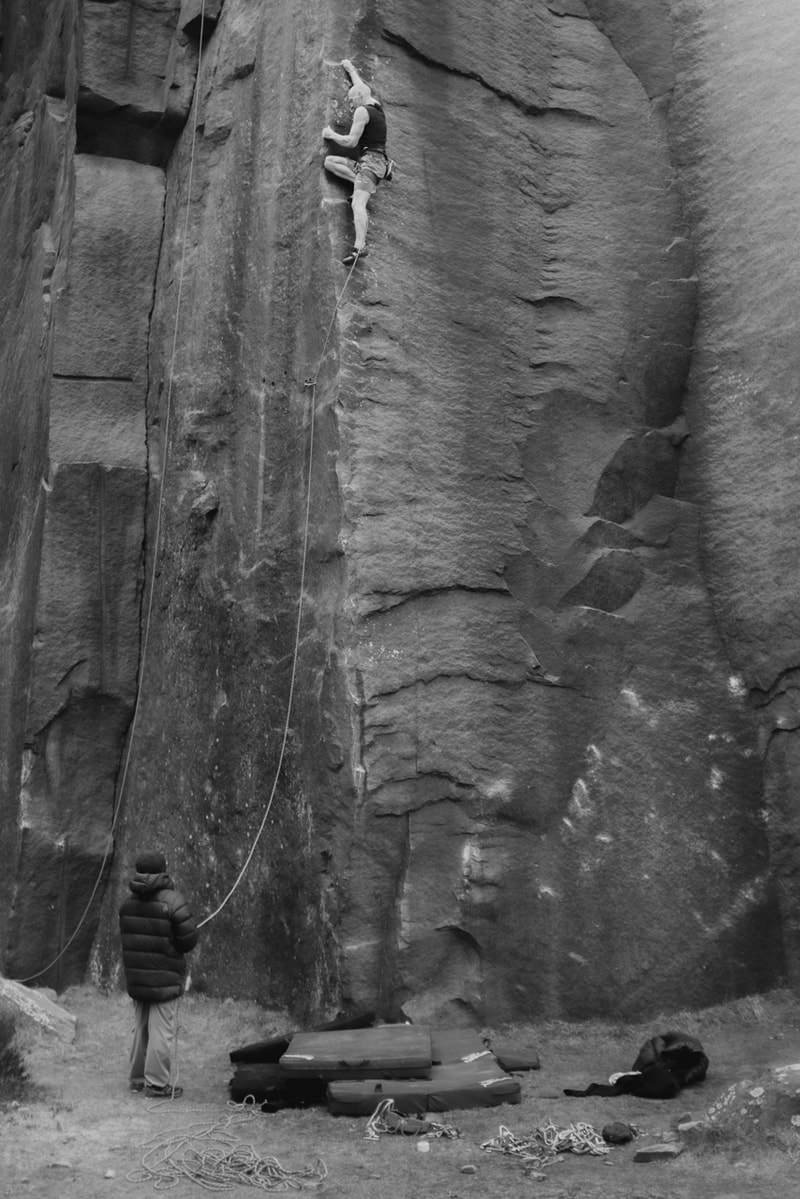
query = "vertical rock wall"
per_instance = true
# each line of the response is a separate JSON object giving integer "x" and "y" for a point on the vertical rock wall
{"x": 229, "y": 420}
{"x": 520, "y": 773}
{"x": 36, "y": 219}
{"x": 74, "y": 615}
{"x": 557, "y": 766}
{"x": 737, "y": 137}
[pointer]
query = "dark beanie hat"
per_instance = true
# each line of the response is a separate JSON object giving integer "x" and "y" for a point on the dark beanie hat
{"x": 151, "y": 863}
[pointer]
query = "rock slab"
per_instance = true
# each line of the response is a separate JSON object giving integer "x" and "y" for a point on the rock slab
{"x": 39, "y": 1008}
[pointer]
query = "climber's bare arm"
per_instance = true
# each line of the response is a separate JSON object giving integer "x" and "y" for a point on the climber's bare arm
{"x": 352, "y": 73}
{"x": 349, "y": 140}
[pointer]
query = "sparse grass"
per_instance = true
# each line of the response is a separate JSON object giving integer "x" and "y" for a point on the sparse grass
{"x": 12, "y": 1065}
{"x": 83, "y": 1113}
{"x": 777, "y": 1007}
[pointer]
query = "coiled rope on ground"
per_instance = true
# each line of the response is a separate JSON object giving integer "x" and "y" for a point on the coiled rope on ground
{"x": 212, "y": 1156}
{"x": 386, "y": 1118}
{"x": 545, "y": 1144}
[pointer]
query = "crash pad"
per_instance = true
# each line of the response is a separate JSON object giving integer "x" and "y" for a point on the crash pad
{"x": 456, "y": 1045}
{"x": 457, "y": 1085}
{"x": 264, "y": 1083}
{"x": 273, "y": 1048}
{"x": 512, "y": 1057}
{"x": 388, "y": 1051}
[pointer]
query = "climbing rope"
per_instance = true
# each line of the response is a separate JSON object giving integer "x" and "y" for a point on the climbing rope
{"x": 167, "y": 423}
{"x": 310, "y": 383}
{"x": 386, "y": 1118}
{"x": 546, "y": 1143}
{"x": 212, "y": 1156}
{"x": 159, "y": 510}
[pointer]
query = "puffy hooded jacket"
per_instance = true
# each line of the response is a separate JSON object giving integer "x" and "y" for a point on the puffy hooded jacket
{"x": 157, "y": 929}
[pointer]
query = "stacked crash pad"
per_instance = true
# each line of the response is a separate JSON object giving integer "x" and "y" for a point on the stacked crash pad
{"x": 388, "y": 1051}
{"x": 463, "y": 1074}
{"x": 420, "y": 1069}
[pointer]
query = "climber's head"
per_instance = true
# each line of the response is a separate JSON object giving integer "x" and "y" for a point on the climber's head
{"x": 359, "y": 94}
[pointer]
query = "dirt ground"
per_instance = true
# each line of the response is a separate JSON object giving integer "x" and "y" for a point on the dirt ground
{"x": 79, "y": 1131}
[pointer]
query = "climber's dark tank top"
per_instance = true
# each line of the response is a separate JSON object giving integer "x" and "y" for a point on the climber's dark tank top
{"x": 374, "y": 135}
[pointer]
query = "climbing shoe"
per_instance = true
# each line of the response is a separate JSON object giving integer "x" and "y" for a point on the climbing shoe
{"x": 137, "y": 1086}
{"x": 167, "y": 1092}
{"x": 353, "y": 255}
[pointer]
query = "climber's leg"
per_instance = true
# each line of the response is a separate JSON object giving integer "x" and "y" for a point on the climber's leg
{"x": 343, "y": 168}
{"x": 360, "y": 218}
{"x": 365, "y": 186}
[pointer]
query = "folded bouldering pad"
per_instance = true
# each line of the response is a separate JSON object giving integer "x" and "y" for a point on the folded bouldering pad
{"x": 513, "y": 1057}
{"x": 388, "y": 1051}
{"x": 272, "y": 1049}
{"x": 458, "y": 1085}
{"x": 450, "y": 1045}
{"x": 266, "y": 1084}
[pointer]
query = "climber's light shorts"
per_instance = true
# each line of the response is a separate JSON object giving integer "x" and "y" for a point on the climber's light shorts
{"x": 370, "y": 169}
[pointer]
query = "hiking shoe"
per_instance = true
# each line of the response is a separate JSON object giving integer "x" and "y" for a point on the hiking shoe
{"x": 137, "y": 1086}
{"x": 353, "y": 255}
{"x": 389, "y": 171}
{"x": 167, "y": 1092}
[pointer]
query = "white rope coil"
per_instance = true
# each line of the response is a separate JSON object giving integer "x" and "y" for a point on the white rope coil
{"x": 213, "y": 1157}
{"x": 545, "y": 1144}
{"x": 386, "y": 1118}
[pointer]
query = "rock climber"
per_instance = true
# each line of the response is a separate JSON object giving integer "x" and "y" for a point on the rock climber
{"x": 367, "y": 135}
{"x": 157, "y": 929}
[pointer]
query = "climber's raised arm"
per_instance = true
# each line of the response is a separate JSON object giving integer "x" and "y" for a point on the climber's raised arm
{"x": 352, "y": 73}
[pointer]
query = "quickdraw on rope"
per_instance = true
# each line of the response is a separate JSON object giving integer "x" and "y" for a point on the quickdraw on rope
{"x": 213, "y": 1157}
{"x": 546, "y": 1143}
{"x": 386, "y": 1118}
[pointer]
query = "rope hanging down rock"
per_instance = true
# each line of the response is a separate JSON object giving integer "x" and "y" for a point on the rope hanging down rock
{"x": 159, "y": 513}
{"x": 310, "y": 383}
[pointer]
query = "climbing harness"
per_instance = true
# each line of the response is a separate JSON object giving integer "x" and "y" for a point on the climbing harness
{"x": 213, "y": 1157}
{"x": 546, "y": 1144}
{"x": 386, "y": 1118}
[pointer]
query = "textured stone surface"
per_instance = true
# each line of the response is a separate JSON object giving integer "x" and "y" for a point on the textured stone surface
{"x": 533, "y": 486}
{"x": 766, "y": 1106}
{"x": 104, "y": 311}
{"x": 742, "y": 194}
{"x": 39, "y": 1008}
{"x": 130, "y": 59}
{"x": 658, "y": 1153}
{"x": 81, "y": 607}
{"x": 35, "y": 218}
{"x": 522, "y": 772}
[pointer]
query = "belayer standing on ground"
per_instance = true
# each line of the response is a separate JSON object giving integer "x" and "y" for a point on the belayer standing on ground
{"x": 367, "y": 135}
{"x": 157, "y": 929}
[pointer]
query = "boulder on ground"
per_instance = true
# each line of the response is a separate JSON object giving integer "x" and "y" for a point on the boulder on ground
{"x": 37, "y": 1006}
{"x": 767, "y": 1106}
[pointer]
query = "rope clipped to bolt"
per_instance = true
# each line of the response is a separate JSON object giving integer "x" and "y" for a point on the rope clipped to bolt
{"x": 546, "y": 1143}
{"x": 386, "y": 1118}
{"x": 213, "y": 1157}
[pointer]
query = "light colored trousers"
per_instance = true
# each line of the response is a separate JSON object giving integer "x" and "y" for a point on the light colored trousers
{"x": 154, "y": 1028}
